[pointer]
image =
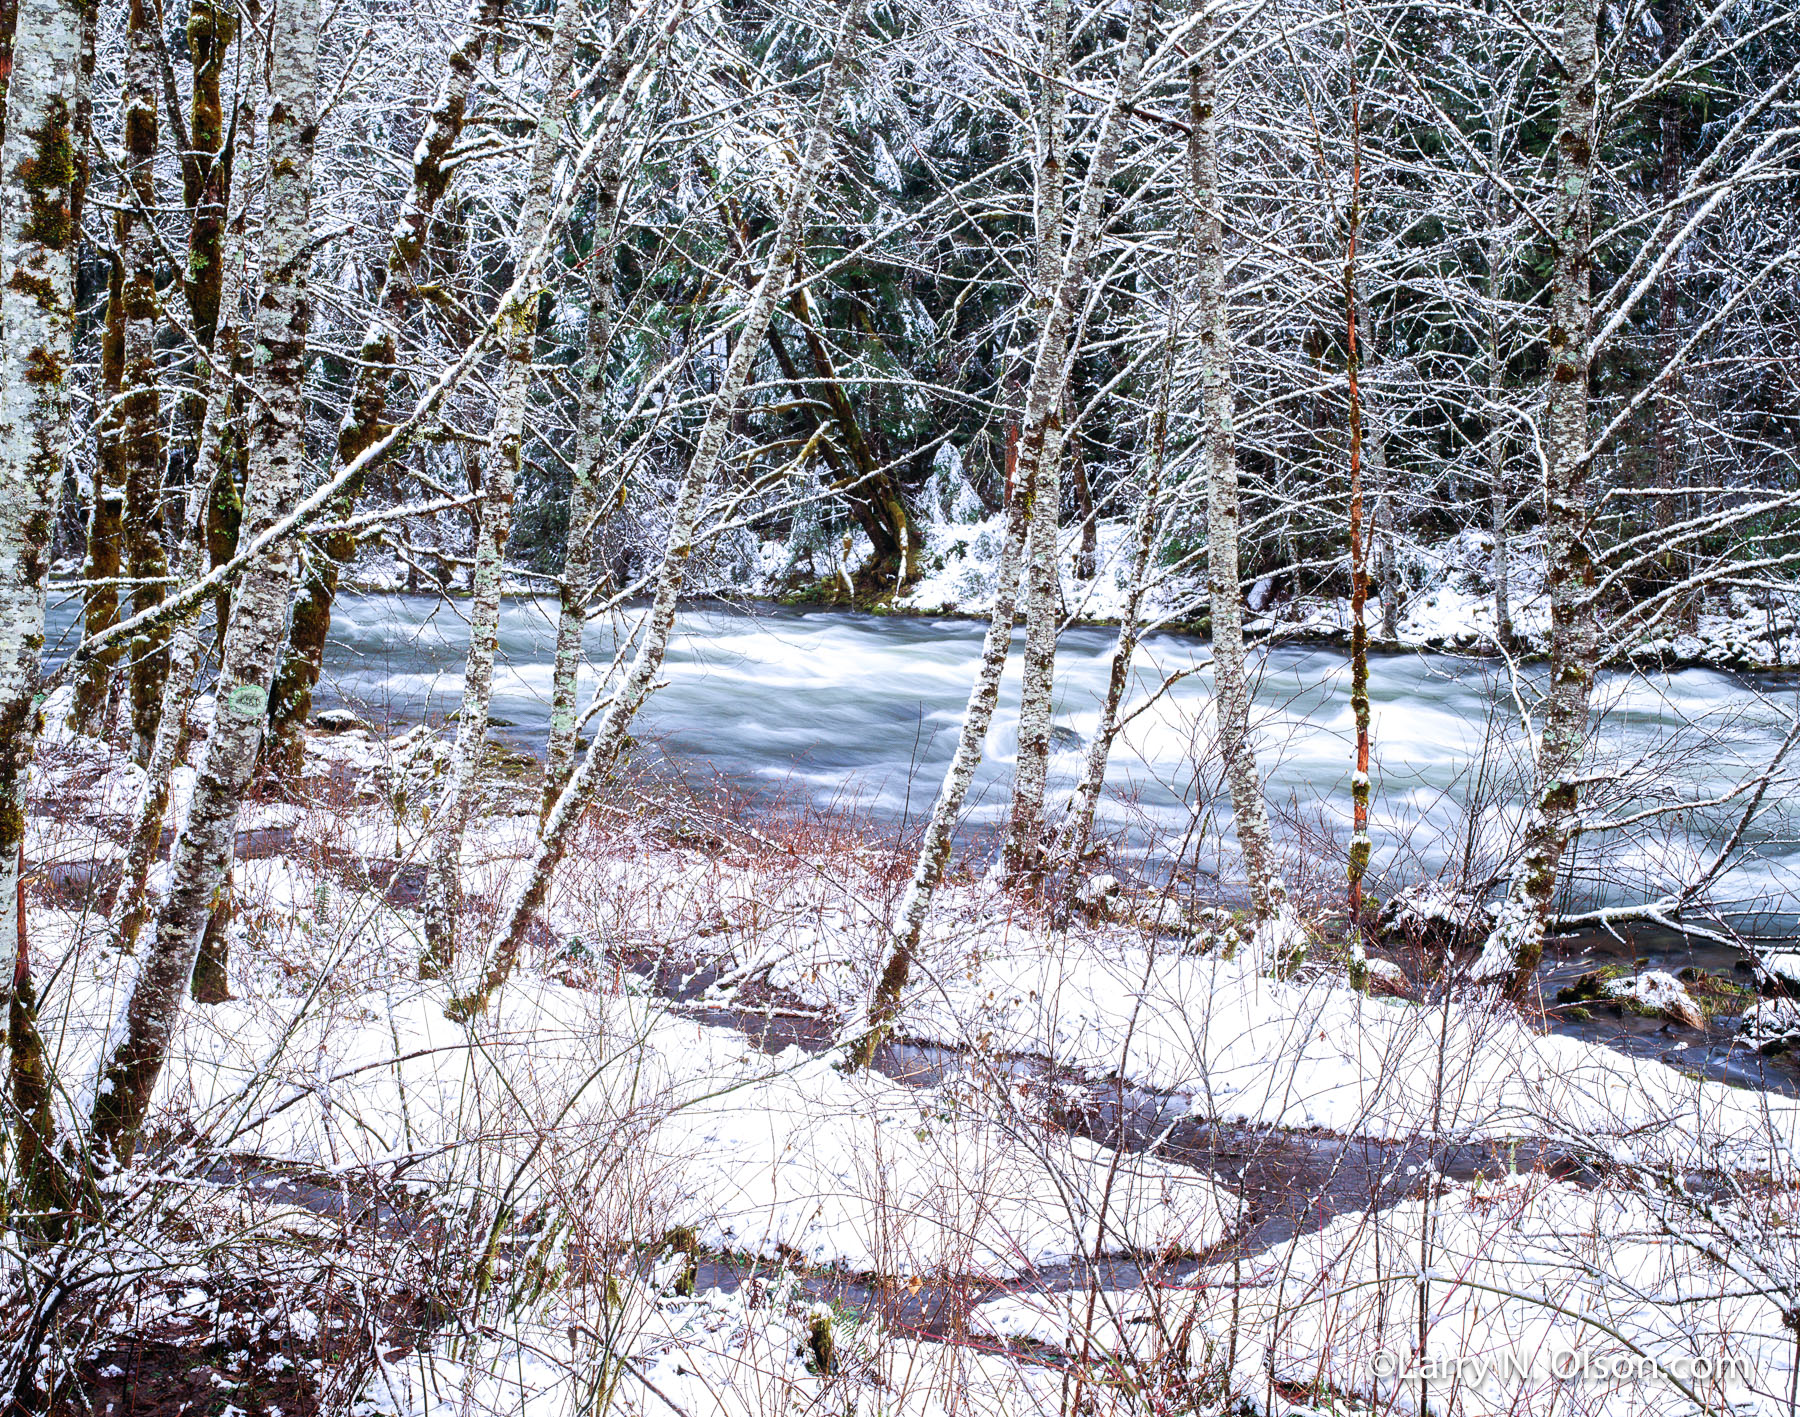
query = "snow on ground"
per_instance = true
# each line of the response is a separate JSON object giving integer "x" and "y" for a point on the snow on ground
{"x": 780, "y": 1156}
{"x": 1447, "y": 597}
{"x": 714, "y": 1355}
{"x": 583, "y": 1092}
{"x": 1534, "y": 1296}
{"x": 1307, "y": 1053}
{"x": 333, "y": 1055}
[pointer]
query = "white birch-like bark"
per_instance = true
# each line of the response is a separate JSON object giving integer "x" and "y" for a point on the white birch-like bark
{"x": 130, "y": 905}
{"x": 1273, "y": 931}
{"x": 1023, "y": 852}
{"x": 38, "y": 176}
{"x": 1499, "y": 512}
{"x": 1075, "y": 833}
{"x": 518, "y": 340}
{"x": 640, "y": 677}
{"x": 1516, "y": 943}
{"x": 200, "y": 857}
{"x": 575, "y": 586}
{"x": 1043, "y": 398}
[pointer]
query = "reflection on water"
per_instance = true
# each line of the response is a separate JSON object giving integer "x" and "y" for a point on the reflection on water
{"x": 850, "y": 709}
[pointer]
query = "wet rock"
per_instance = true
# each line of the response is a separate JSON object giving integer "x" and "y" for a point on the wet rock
{"x": 1164, "y": 916}
{"x": 1101, "y": 897}
{"x": 1783, "y": 967}
{"x": 1385, "y": 978}
{"x": 1434, "y": 915}
{"x": 1656, "y": 992}
{"x": 1064, "y": 738}
{"x": 340, "y": 720}
{"x": 1771, "y": 1025}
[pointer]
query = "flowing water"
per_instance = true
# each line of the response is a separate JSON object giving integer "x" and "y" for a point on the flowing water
{"x": 847, "y": 710}
{"x": 853, "y": 710}
{"x": 859, "y": 712}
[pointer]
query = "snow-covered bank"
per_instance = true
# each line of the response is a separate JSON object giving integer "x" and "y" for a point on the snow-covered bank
{"x": 584, "y": 1116}
{"x": 1446, "y": 597}
{"x": 1515, "y": 1295}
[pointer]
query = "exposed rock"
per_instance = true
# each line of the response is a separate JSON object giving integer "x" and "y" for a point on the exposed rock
{"x": 1772, "y": 1025}
{"x": 1164, "y": 916}
{"x": 339, "y": 720}
{"x": 1435, "y": 915}
{"x": 1100, "y": 897}
{"x": 1384, "y": 977}
{"x": 1658, "y": 992}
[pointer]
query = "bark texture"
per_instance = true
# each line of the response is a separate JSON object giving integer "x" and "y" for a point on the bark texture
{"x": 140, "y": 406}
{"x": 587, "y": 509}
{"x": 292, "y": 694}
{"x": 1023, "y": 852}
{"x": 200, "y": 859}
{"x": 518, "y": 340}
{"x": 640, "y": 677}
{"x": 1075, "y": 833}
{"x": 38, "y": 177}
{"x": 1272, "y": 915}
{"x": 130, "y": 910}
{"x": 1516, "y": 943}
{"x": 1043, "y": 397}
{"x": 105, "y": 562}
{"x": 1356, "y": 323}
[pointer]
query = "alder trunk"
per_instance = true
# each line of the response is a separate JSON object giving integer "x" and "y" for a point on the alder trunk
{"x": 39, "y": 172}
{"x": 292, "y": 694}
{"x": 640, "y": 677}
{"x": 1516, "y": 944}
{"x": 1075, "y": 833}
{"x": 104, "y": 565}
{"x": 518, "y": 340}
{"x": 1022, "y": 855}
{"x": 200, "y": 859}
{"x": 587, "y": 510}
{"x": 130, "y": 909}
{"x": 1231, "y": 680}
{"x": 1043, "y": 396}
{"x": 140, "y": 406}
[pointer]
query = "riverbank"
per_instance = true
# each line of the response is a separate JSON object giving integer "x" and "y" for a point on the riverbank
{"x": 554, "y": 1164}
{"x": 1447, "y": 597}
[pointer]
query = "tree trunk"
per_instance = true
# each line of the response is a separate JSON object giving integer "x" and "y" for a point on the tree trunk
{"x": 518, "y": 341}
{"x": 38, "y": 177}
{"x": 1075, "y": 834}
{"x": 1042, "y": 397}
{"x": 593, "y": 442}
{"x": 640, "y": 679}
{"x": 130, "y": 908}
{"x": 362, "y": 425}
{"x": 1355, "y": 315}
{"x": 140, "y": 410}
{"x": 1516, "y": 944}
{"x": 1668, "y": 298}
{"x": 1268, "y": 894}
{"x": 1022, "y": 855}
{"x": 874, "y": 499}
{"x": 211, "y": 27}
{"x": 105, "y": 562}
{"x": 1087, "y": 560}
{"x": 199, "y": 861}
{"x": 1499, "y": 504}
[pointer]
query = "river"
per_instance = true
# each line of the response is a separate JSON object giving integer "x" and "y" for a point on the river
{"x": 858, "y": 712}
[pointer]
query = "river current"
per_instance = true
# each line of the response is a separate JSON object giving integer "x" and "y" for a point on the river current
{"x": 851, "y": 711}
